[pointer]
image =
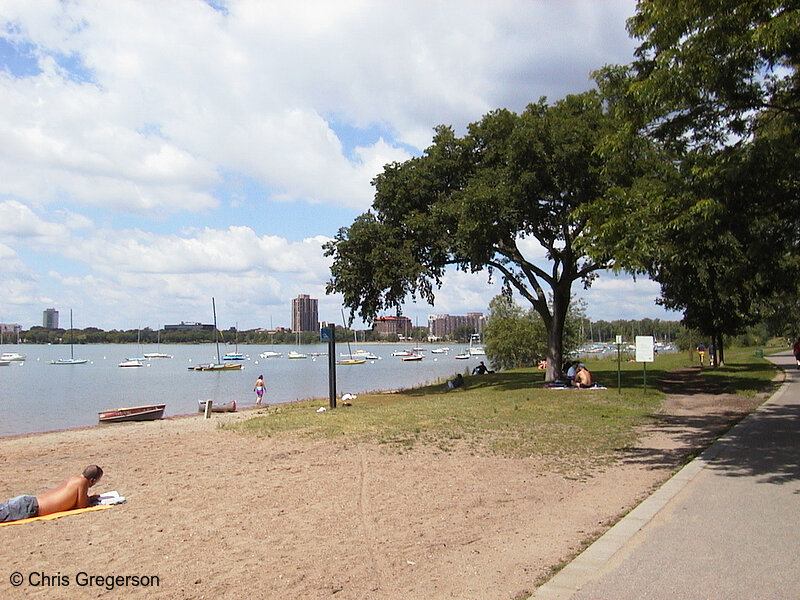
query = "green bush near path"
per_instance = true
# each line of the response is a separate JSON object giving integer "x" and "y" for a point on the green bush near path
{"x": 510, "y": 413}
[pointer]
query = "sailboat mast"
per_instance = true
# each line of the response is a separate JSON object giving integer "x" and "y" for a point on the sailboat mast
{"x": 71, "y": 337}
{"x": 216, "y": 340}
{"x": 344, "y": 324}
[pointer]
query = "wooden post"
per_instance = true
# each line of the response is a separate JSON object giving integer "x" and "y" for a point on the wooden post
{"x": 208, "y": 408}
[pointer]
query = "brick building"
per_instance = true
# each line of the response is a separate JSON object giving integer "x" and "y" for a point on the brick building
{"x": 385, "y": 326}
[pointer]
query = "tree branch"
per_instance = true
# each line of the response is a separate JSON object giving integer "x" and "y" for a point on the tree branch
{"x": 539, "y": 301}
{"x": 509, "y": 249}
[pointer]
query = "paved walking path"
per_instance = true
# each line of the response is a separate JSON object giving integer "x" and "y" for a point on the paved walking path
{"x": 727, "y": 526}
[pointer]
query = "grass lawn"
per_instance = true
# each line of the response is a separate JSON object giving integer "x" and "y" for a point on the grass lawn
{"x": 510, "y": 413}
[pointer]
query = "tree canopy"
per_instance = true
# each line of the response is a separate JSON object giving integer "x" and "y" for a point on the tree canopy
{"x": 710, "y": 109}
{"x": 475, "y": 203}
{"x": 705, "y": 69}
{"x": 684, "y": 167}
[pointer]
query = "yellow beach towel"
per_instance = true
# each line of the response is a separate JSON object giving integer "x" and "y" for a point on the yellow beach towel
{"x": 57, "y": 515}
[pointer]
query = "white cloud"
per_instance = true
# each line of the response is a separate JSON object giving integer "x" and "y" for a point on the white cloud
{"x": 17, "y": 281}
{"x": 614, "y": 297}
{"x": 138, "y": 274}
{"x": 179, "y": 90}
{"x": 7, "y": 253}
{"x": 18, "y": 221}
{"x": 237, "y": 249}
{"x": 117, "y": 160}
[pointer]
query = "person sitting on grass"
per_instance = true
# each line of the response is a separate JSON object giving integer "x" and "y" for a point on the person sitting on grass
{"x": 455, "y": 383}
{"x": 73, "y": 493}
{"x": 571, "y": 371}
{"x": 583, "y": 378}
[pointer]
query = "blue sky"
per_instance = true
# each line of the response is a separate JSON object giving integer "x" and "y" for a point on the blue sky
{"x": 156, "y": 154}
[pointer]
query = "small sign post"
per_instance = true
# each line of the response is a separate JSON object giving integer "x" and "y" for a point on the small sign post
{"x": 328, "y": 334}
{"x": 644, "y": 353}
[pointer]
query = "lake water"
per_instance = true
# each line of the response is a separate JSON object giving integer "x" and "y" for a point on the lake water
{"x": 36, "y": 396}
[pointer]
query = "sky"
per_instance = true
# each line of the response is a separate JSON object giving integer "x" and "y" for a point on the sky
{"x": 154, "y": 155}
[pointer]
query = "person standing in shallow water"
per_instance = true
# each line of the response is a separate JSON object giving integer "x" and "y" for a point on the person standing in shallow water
{"x": 259, "y": 389}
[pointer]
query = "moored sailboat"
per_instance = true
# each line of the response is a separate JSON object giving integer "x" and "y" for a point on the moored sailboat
{"x": 236, "y": 355}
{"x": 219, "y": 365}
{"x": 158, "y": 354}
{"x": 350, "y": 358}
{"x": 71, "y": 360}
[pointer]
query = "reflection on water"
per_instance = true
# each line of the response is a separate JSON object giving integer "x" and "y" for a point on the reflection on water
{"x": 38, "y": 396}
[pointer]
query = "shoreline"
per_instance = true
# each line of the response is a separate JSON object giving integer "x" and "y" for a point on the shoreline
{"x": 187, "y": 416}
{"x": 164, "y": 419}
{"x": 297, "y": 517}
{"x": 300, "y": 517}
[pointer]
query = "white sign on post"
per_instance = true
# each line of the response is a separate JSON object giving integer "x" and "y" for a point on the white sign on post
{"x": 644, "y": 348}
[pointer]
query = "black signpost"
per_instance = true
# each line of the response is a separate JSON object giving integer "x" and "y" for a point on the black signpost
{"x": 328, "y": 334}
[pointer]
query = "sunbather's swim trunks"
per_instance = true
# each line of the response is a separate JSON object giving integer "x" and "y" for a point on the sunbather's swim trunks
{"x": 19, "y": 507}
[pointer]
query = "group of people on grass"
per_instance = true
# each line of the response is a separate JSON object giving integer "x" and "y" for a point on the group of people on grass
{"x": 578, "y": 375}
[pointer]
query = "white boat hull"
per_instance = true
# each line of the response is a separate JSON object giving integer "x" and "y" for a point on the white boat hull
{"x": 131, "y": 363}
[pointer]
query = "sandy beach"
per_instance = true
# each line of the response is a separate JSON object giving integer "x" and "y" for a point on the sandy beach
{"x": 212, "y": 513}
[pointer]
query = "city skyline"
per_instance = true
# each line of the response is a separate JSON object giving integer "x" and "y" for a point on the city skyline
{"x": 438, "y": 324}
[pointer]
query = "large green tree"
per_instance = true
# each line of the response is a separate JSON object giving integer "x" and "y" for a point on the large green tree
{"x": 472, "y": 203}
{"x": 710, "y": 107}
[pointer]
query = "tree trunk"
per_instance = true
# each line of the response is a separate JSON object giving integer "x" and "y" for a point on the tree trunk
{"x": 554, "y": 358}
{"x": 714, "y": 349}
{"x": 555, "y": 335}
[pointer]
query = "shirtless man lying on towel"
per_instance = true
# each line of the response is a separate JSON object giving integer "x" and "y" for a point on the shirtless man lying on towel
{"x": 73, "y": 493}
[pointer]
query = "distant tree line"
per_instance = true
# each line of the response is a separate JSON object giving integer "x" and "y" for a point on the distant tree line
{"x": 582, "y": 330}
{"x": 93, "y": 335}
{"x": 515, "y": 337}
{"x": 606, "y": 331}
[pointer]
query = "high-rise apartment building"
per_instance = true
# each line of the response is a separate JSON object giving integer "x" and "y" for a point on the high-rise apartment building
{"x": 50, "y": 318}
{"x": 304, "y": 313}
